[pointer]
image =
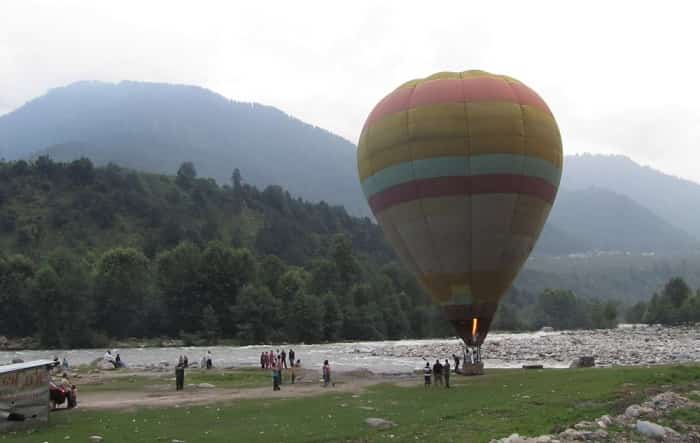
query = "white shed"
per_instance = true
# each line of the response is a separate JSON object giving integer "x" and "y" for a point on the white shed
{"x": 24, "y": 394}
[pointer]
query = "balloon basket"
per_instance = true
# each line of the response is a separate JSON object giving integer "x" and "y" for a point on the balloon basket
{"x": 472, "y": 369}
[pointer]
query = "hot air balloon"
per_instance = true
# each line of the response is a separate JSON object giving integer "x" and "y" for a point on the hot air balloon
{"x": 461, "y": 170}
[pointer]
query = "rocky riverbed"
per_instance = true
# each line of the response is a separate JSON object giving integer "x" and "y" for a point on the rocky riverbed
{"x": 627, "y": 345}
{"x": 640, "y": 345}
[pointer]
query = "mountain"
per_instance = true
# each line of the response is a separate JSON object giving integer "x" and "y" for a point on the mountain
{"x": 599, "y": 219}
{"x": 675, "y": 199}
{"x": 605, "y": 202}
{"x": 155, "y": 127}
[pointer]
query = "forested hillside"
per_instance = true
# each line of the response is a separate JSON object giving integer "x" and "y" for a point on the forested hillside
{"x": 155, "y": 127}
{"x": 89, "y": 254}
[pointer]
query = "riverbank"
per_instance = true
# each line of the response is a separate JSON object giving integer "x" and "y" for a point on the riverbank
{"x": 630, "y": 346}
{"x": 475, "y": 409}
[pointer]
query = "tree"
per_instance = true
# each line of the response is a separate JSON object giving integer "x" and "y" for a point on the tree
{"x": 561, "y": 310}
{"x": 122, "y": 284}
{"x": 178, "y": 279}
{"x": 236, "y": 181}
{"x": 635, "y": 314}
{"x": 16, "y": 318}
{"x": 341, "y": 251}
{"x": 186, "y": 175}
{"x": 306, "y": 320}
{"x": 271, "y": 271}
{"x": 81, "y": 171}
{"x": 257, "y": 314}
{"x": 61, "y": 302}
{"x": 223, "y": 272}
{"x": 324, "y": 277}
{"x": 210, "y": 324}
{"x": 677, "y": 291}
{"x": 332, "y": 318}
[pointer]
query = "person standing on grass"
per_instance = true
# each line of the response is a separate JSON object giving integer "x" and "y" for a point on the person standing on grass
{"x": 275, "y": 377}
{"x": 437, "y": 372}
{"x": 326, "y": 373}
{"x": 446, "y": 373}
{"x": 427, "y": 372}
{"x": 283, "y": 357}
{"x": 291, "y": 357}
{"x": 262, "y": 360}
{"x": 456, "y": 359}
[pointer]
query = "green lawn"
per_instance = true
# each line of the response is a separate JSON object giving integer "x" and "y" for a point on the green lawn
{"x": 476, "y": 409}
{"x": 240, "y": 378}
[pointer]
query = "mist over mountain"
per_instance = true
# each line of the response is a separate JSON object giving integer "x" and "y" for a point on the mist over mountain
{"x": 607, "y": 203}
{"x": 675, "y": 199}
{"x": 155, "y": 127}
{"x": 599, "y": 219}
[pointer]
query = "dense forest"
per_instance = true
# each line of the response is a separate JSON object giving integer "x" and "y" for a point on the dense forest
{"x": 91, "y": 254}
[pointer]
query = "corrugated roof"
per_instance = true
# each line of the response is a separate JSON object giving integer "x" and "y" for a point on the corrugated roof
{"x": 26, "y": 365}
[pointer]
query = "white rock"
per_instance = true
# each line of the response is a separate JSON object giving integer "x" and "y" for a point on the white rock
{"x": 604, "y": 421}
{"x": 95, "y": 439}
{"x": 206, "y": 385}
{"x": 379, "y": 423}
{"x": 651, "y": 430}
{"x": 632, "y": 411}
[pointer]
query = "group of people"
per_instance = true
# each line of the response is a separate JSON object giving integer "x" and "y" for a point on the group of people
{"x": 183, "y": 362}
{"x": 269, "y": 360}
{"x": 116, "y": 361}
{"x": 276, "y": 361}
{"x": 440, "y": 372}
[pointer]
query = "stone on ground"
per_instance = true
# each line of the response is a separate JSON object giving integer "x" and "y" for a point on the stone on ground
{"x": 651, "y": 430}
{"x": 379, "y": 423}
{"x": 94, "y": 439}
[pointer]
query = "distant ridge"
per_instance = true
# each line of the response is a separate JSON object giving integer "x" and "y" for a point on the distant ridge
{"x": 155, "y": 127}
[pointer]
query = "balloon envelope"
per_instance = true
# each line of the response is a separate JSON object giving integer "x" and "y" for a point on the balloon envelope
{"x": 461, "y": 170}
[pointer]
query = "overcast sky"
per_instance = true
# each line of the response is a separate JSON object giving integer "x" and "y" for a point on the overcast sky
{"x": 621, "y": 77}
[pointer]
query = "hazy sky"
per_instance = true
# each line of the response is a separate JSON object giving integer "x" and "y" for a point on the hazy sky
{"x": 621, "y": 77}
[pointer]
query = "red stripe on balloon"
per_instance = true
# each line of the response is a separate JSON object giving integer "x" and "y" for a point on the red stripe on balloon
{"x": 473, "y": 89}
{"x": 462, "y": 185}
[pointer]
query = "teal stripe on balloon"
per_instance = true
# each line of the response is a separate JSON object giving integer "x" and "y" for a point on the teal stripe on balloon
{"x": 457, "y": 166}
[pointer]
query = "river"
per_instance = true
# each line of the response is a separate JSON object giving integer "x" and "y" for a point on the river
{"x": 626, "y": 345}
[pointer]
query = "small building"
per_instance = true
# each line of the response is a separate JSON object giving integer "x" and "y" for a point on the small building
{"x": 24, "y": 394}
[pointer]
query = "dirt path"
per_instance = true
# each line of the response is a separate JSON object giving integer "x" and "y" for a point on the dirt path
{"x": 127, "y": 399}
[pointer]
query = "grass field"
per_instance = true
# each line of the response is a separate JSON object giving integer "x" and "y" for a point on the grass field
{"x": 476, "y": 409}
{"x": 242, "y": 378}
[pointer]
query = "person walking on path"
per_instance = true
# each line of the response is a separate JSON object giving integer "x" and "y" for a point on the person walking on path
{"x": 446, "y": 373}
{"x": 326, "y": 374}
{"x": 427, "y": 372}
{"x": 276, "y": 376}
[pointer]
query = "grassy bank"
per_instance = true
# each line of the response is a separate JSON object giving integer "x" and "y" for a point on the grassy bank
{"x": 476, "y": 409}
{"x": 240, "y": 378}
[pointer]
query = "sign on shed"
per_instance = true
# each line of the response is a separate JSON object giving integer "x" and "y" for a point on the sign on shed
{"x": 24, "y": 394}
